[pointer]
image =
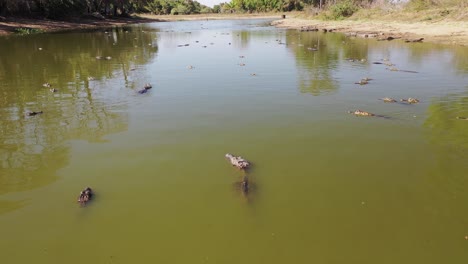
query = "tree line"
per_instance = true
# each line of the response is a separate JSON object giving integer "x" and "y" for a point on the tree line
{"x": 66, "y": 8}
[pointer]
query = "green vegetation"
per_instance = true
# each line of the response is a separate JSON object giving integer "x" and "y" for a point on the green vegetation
{"x": 343, "y": 9}
{"x": 327, "y": 9}
{"x": 57, "y": 9}
{"x": 173, "y": 7}
{"x": 28, "y": 31}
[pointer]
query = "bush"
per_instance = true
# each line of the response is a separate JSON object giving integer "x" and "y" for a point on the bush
{"x": 28, "y": 31}
{"x": 343, "y": 9}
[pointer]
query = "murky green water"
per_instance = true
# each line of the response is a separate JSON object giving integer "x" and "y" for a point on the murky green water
{"x": 327, "y": 187}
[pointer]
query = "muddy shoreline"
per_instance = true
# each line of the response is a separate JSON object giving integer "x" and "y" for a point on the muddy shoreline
{"x": 10, "y": 24}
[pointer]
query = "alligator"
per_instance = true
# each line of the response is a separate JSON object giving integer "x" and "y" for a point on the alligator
{"x": 410, "y": 100}
{"x": 85, "y": 196}
{"x": 363, "y": 81}
{"x": 361, "y": 113}
{"x": 238, "y": 162}
{"x": 388, "y": 100}
{"x": 33, "y": 113}
{"x": 145, "y": 88}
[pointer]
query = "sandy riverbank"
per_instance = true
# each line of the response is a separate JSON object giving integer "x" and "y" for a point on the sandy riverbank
{"x": 455, "y": 32}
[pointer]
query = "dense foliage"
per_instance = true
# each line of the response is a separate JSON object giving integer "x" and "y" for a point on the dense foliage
{"x": 337, "y": 9}
{"x": 65, "y": 8}
{"x": 263, "y": 5}
{"x": 286, "y": 5}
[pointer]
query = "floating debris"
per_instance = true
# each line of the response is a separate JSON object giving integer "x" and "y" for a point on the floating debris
{"x": 238, "y": 162}
{"x": 147, "y": 86}
{"x": 361, "y": 113}
{"x": 47, "y": 85}
{"x": 99, "y": 58}
{"x": 253, "y": 74}
{"x": 241, "y": 56}
{"x": 388, "y": 100}
{"x": 462, "y": 118}
{"x": 241, "y": 64}
{"x": 190, "y": 67}
{"x": 85, "y": 196}
{"x": 410, "y": 100}
{"x": 108, "y": 58}
{"x": 91, "y": 78}
{"x": 53, "y": 90}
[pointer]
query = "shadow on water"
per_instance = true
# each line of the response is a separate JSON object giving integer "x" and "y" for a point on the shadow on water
{"x": 246, "y": 188}
{"x": 33, "y": 149}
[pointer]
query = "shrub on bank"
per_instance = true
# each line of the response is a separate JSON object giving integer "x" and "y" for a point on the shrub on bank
{"x": 343, "y": 9}
{"x": 338, "y": 11}
{"x": 28, "y": 31}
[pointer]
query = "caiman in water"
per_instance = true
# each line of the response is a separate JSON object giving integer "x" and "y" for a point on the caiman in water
{"x": 85, "y": 196}
{"x": 238, "y": 161}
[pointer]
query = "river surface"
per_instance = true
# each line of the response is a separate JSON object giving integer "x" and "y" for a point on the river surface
{"x": 325, "y": 186}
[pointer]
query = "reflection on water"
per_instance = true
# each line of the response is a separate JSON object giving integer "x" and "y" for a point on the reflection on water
{"x": 34, "y": 148}
{"x": 445, "y": 129}
{"x": 317, "y": 57}
{"x": 322, "y": 179}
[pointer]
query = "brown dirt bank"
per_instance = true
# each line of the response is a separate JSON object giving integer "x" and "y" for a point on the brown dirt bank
{"x": 9, "y": 24}
{"x": 444, "y": 32}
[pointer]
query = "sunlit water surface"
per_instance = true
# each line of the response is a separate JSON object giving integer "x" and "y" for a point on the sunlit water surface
{"x": 326, "y": 186}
